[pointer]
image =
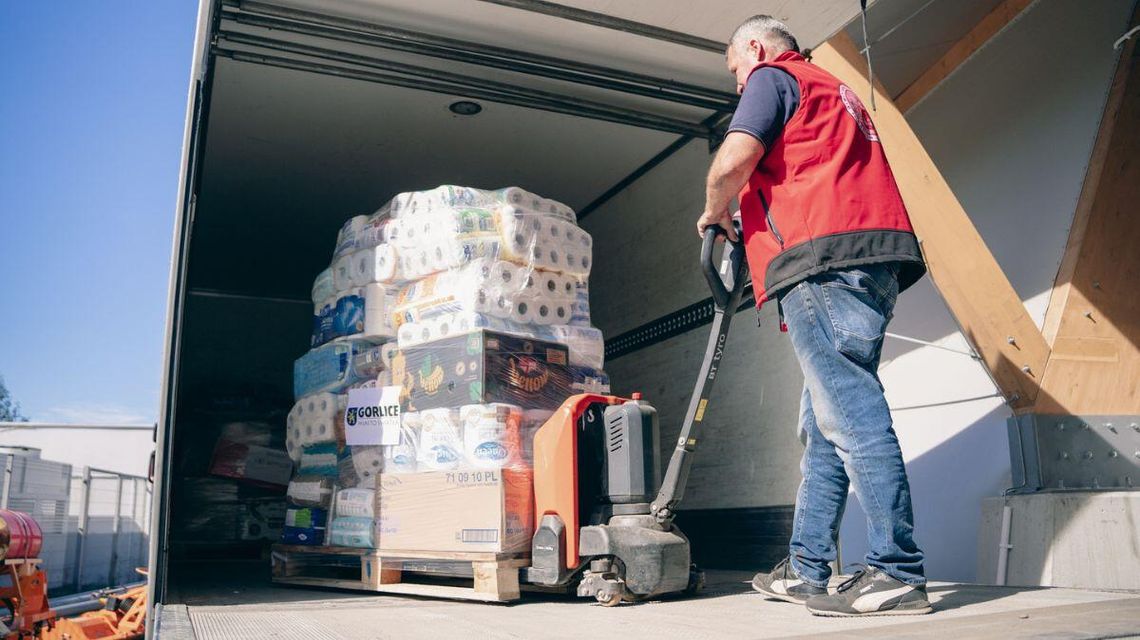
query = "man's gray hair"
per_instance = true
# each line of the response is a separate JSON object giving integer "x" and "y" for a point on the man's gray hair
{"x": 772, "y": 33}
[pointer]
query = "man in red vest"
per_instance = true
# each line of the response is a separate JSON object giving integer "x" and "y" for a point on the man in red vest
{"x": 827, "y": 235}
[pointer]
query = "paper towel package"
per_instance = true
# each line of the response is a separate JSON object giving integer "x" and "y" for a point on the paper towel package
{"x": 481, "y": 510}
{"x": 483, "y": 367}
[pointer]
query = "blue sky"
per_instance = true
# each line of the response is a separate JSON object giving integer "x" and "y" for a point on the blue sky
{"x": 92, "y": 107}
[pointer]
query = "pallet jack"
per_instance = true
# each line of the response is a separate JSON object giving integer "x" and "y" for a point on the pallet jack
{"x": 605, "y": 516}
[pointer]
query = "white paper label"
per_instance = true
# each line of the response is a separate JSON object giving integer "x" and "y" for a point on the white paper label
{"x": 373, "y": 416}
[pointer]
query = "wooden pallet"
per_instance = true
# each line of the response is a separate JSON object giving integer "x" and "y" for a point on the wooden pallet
{"x": 487, "y": 577}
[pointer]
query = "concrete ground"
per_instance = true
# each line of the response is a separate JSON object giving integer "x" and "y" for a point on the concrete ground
{"x": 249, "y": 607}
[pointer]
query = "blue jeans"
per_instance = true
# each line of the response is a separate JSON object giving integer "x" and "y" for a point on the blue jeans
{"x": 836, "y": 322}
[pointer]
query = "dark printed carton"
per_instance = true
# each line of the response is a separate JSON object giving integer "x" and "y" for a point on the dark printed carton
{"x": 482, "y": 367}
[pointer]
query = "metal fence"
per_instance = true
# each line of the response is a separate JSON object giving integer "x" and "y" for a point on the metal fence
{"x": 95, "y": 522}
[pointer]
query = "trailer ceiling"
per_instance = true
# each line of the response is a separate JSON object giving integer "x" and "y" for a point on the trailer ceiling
{"x": 291, "y": 153}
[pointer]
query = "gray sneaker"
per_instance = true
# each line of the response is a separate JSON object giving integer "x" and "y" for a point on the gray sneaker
{"x": 871, "y": 592}
{"x": 782, "y": 583}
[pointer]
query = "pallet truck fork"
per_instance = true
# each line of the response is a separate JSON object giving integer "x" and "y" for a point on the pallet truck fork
{"x": 605, "y": 516}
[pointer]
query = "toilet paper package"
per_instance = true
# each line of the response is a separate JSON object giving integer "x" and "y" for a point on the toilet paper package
{"x": 492, "y": 435}
{"x": 402, "y": 457}
{"x": 356, "y": 503}
{"x": 323, "y": 287}
{"x": 347, "y": 477}
{"x": 351, "y": 532}
{"x": 313, "y": 420}
{"x": 362, "y": 312}
{"x": 346, "y": 237}
{"x": 372, "y": 233}
{"x": 416, "y": 203}
{"x": 586, "y": 344}
{"x": 335, "y": 366}
{"x": 368, "y": 461}
{"x": 441, "y": 440}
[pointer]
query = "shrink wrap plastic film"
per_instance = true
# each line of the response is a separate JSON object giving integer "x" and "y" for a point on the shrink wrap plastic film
{"x": 476, "y": 304}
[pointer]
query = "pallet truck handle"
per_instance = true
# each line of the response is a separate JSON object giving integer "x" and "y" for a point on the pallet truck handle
{"x": 727, "y": 283}
{"x": 721, "y": 292}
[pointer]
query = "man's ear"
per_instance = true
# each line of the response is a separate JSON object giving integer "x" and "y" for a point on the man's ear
{"x": 759, "y": 47}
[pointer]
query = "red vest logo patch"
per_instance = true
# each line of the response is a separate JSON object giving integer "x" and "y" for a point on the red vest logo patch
{"x": 855, "y": 107}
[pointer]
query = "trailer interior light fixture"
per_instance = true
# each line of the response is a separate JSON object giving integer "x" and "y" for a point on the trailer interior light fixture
{"x": 465, "y": 107}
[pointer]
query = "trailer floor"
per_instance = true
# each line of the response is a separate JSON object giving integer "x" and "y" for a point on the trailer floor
{"x": 238, "y": 602}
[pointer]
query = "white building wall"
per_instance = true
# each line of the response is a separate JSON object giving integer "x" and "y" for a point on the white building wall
{"x": 123, "y": 451}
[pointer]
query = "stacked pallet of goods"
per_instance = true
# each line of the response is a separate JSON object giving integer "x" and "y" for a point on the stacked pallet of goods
{"x": 449, "y": 326}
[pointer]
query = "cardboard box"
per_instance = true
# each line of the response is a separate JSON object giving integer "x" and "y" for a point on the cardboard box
{"x": 483, "y": 367}
{"x": 486, "y": 511}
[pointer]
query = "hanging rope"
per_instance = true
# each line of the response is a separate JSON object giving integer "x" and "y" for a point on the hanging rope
{"x": 867, "y": 50}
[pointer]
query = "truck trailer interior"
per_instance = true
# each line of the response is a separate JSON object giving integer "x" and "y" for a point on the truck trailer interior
{"x": 304, "y": 113}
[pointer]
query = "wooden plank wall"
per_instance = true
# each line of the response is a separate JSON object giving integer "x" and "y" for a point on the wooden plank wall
{"x": 1095, "y": 365}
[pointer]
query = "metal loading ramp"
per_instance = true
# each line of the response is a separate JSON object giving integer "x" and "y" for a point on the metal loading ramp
{"x": 727, "y": 609}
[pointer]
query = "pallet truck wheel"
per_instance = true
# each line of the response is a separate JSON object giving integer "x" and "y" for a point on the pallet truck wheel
{"x": 608, "y": 598}
{"x": 696, "y": 581}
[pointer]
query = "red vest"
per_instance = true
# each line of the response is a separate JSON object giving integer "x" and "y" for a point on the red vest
{"x": 823, "y": 197}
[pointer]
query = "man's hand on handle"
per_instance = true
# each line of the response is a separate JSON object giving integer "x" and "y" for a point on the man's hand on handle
{"x": 722, "y": 219}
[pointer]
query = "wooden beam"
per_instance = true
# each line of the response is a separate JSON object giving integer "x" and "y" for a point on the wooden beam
{"x": 989, "y": 311}
{"x": 986, "y": 28}
{"x": 1095, "y": 368}
{"x": 1059, "y": 297}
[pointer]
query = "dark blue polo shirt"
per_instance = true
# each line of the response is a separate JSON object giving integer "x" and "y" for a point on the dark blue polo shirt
{"x": 769, "y": 100}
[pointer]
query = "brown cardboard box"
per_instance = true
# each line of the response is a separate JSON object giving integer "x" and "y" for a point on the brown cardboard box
{"x": 478, "y": 510}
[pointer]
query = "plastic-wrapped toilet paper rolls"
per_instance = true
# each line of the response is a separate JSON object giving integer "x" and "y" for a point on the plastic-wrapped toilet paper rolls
{"x": 372, "y": 234}
{"x": 342, "y": 272}
{"x": 523, "y": 312}
{"x": 346, "y": 237}
{"x": 441, "y": 439}
{"x": 586, "y": 344}
{"x": 335, "y": 366}
{"x": 311, "y": 420}
{"x": 368, "y": 462}
{"x": 378, "y": 301}
{"x": 549, "y": 313}
{"x": 363, "y": 267}
{"x": 323, "y": 287}
{"x": 401, "y": 458}
{"x": 393, "y": 233}
{"x": 491, "y": 435}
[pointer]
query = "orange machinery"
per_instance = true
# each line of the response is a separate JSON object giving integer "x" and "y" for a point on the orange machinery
{"x": 25, "y": 594}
